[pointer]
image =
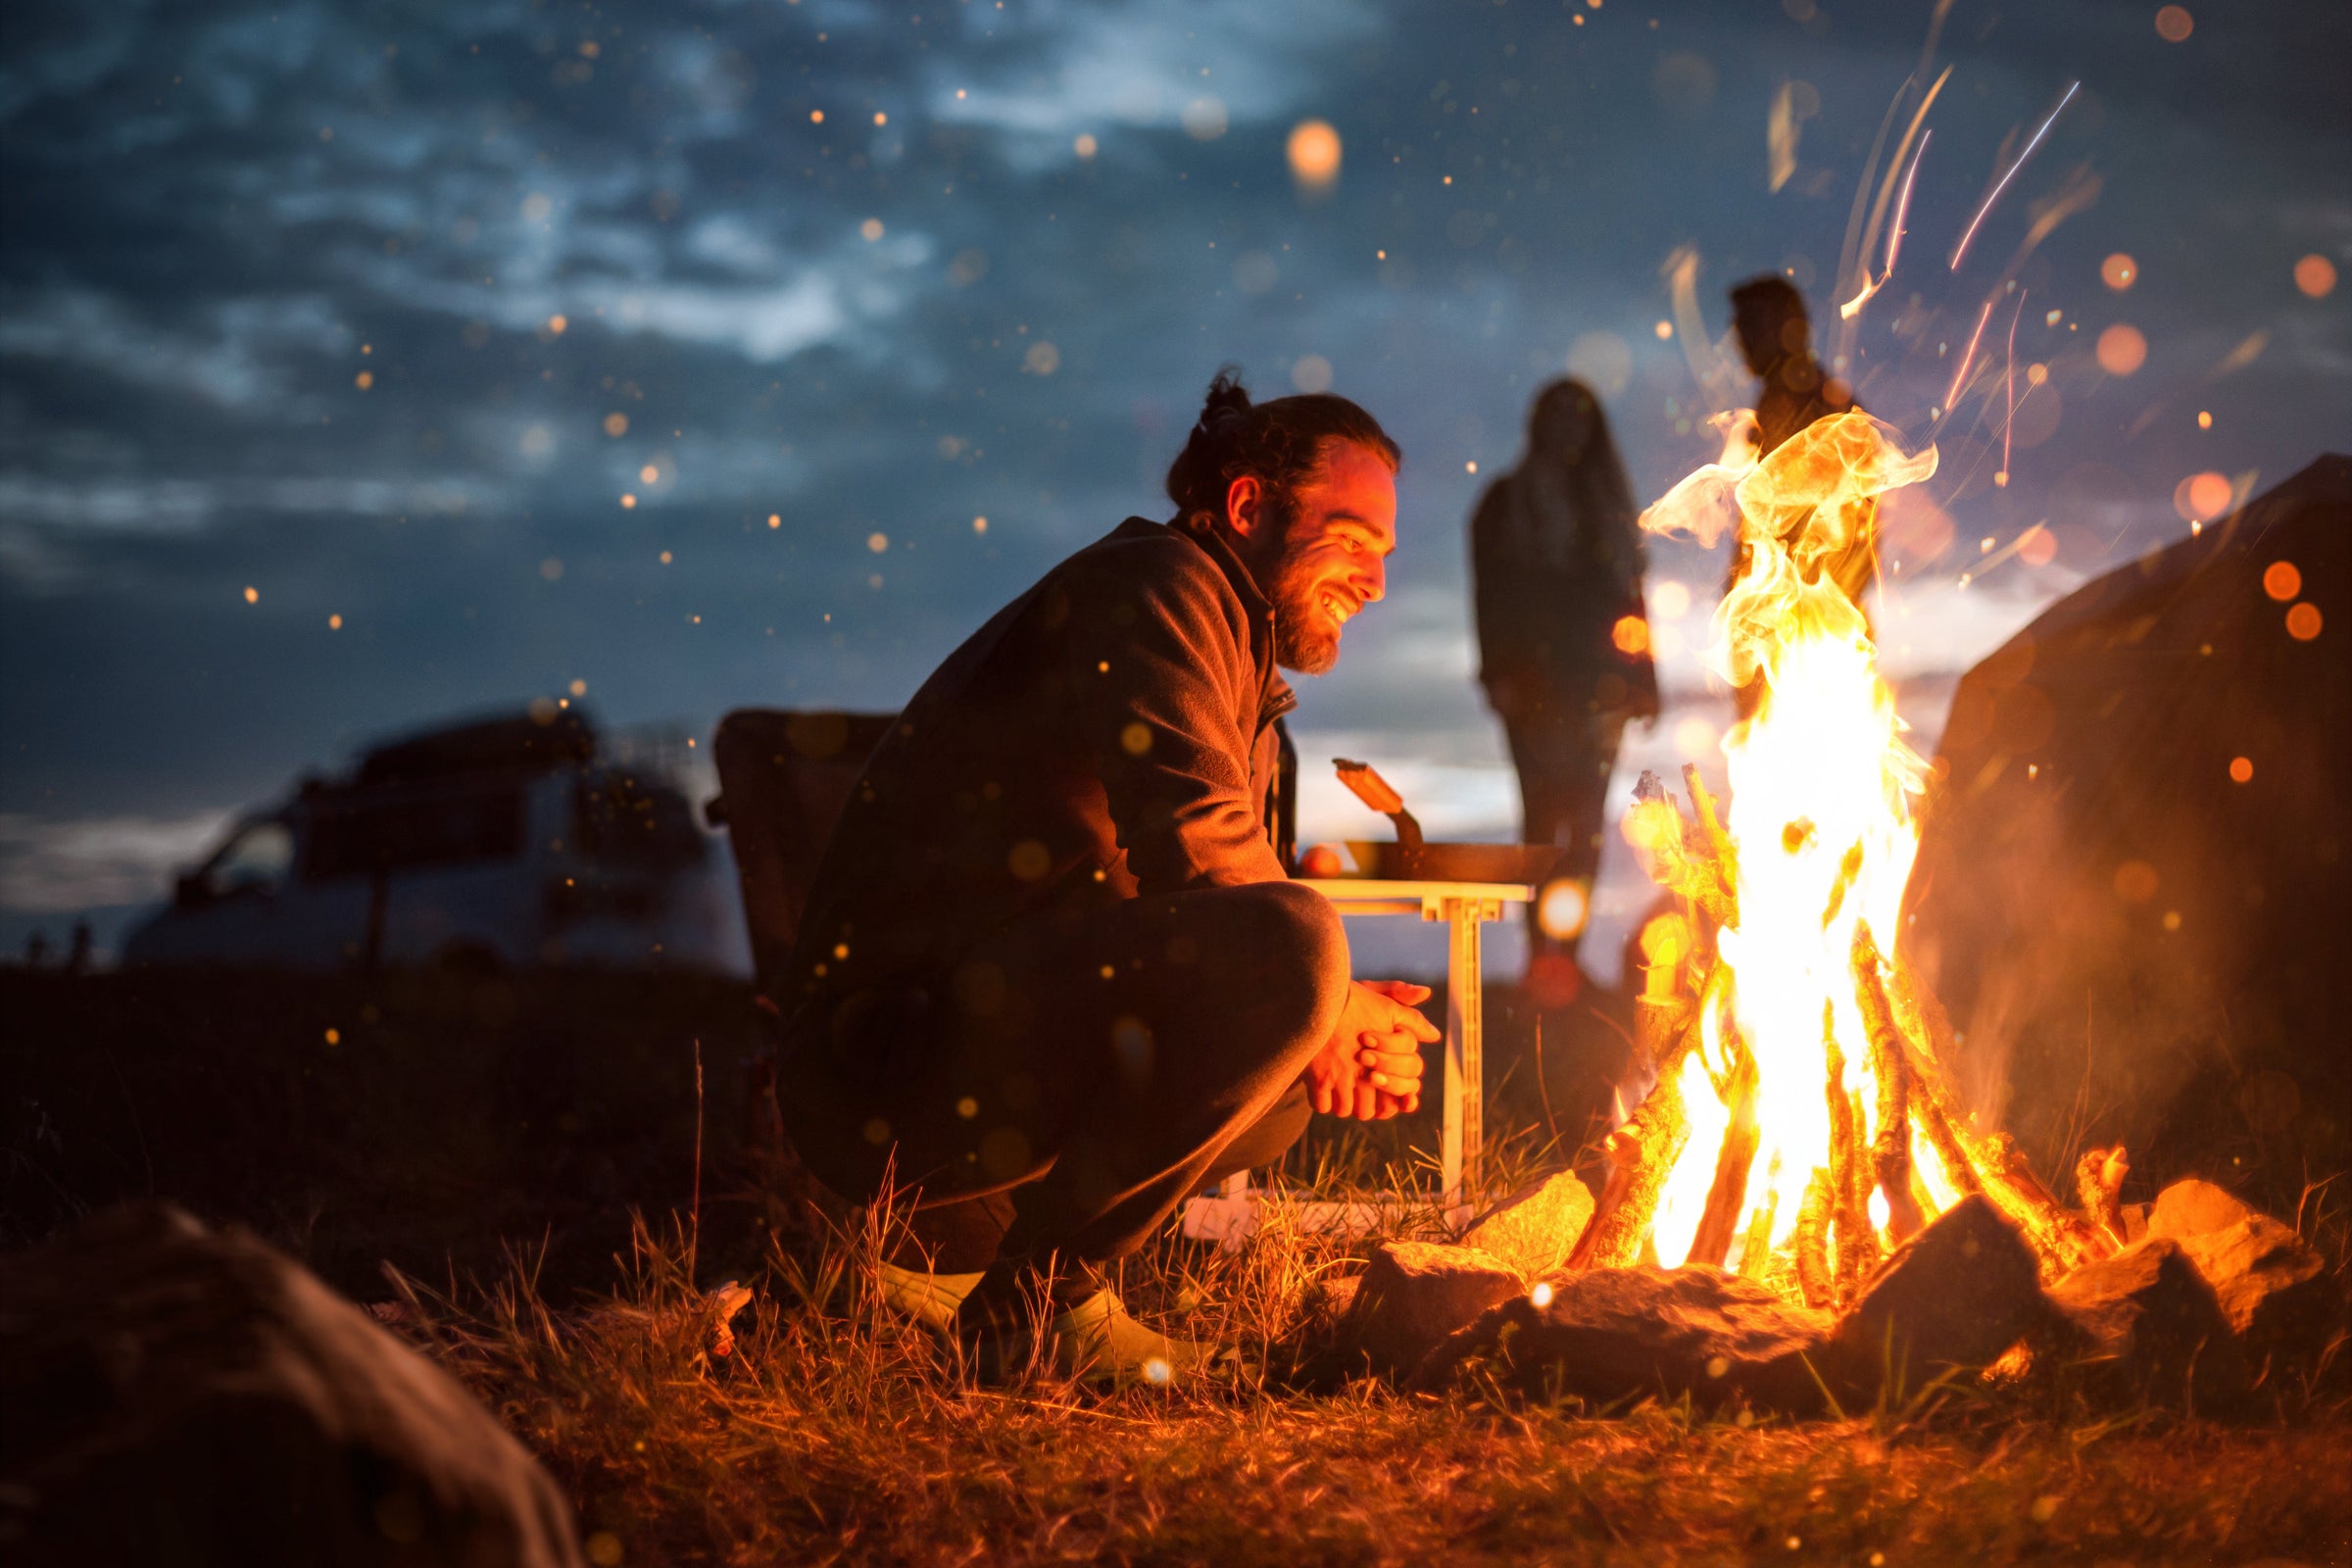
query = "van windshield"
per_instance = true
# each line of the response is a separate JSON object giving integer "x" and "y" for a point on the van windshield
{"x": 259, "y": 857}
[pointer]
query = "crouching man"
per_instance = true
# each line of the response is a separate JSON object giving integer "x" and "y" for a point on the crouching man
{"x": 1052, "y": 976}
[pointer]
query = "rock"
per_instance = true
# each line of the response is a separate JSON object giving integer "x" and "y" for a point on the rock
{"x": 2145, "y": 1325}
{"x": 1415, "y": 1293}
{"x": 1535, "y": 1230}
{"x": 1957, "y": 1295}
{"x": 2193, "y": 1207}
{"x": 2275, "y": 1291}
{"x": 178, "y": 1395}
{"x": 1624, "y": 1333}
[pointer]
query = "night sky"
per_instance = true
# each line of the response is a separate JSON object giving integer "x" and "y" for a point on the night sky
{"x": 293, "y": 451}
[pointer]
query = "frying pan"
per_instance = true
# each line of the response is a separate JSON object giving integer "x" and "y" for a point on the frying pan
{"x": 1410, "y": 859}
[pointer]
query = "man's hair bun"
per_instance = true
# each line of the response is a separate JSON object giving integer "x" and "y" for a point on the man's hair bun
{"x": 1281, "y": 443}
{"x": 1227, "y": 398}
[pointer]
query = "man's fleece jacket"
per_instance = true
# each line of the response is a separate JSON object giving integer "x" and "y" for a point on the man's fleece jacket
{"x": 1108, "y": 734}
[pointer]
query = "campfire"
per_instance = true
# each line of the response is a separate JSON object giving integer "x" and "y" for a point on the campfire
{"x": 1797, "y": 1116}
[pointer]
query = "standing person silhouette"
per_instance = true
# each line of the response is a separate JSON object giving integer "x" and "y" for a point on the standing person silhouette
{"x": 1556, "y": 566}
{"x": 1776, "y": 338}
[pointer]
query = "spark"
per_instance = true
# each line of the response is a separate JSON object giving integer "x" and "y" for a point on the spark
{"x": 1894, "y": 239}
{"x": 1903, "y": 205}
{"x": 1970, "y": 233}
{"x": 2009, "y": 380}
{"x": 1951, "y": 397}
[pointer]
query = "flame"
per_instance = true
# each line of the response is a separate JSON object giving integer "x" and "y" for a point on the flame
{"x": 1820, "y": 818}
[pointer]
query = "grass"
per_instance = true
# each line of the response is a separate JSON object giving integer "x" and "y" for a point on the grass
{"x": 444, "y": 1117}
{"x": 835, "y": 1433}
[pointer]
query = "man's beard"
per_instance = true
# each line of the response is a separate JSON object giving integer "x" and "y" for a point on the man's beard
{"x": 1305, "y": 640}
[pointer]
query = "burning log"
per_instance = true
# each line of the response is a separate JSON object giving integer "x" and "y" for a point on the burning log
{"x": 1857, "y": 1245}
{"x": 1642, "y": 1153}
{"x": 2099, "y": 1183}
{"x": 1680, "y": 855}
{"x": 1644, "y": 1150}
{"x": 1891, "y": 1152}
{"x": 1958, "y": 1165}
{"x": 1809, "y": 1246}
{"x": 1755, "y": 1253}
{"x": 1727, "y": 1197}
{"x": 1725, "y": 855}
{"x": 1993, "y": 1165}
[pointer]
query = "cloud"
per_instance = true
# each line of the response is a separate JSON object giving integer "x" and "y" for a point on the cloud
{"x": 192, "y": 269}
{"x": 229, "y": 363}
{"x": 63, "y": 865}
{"x": 1094, "y": 66}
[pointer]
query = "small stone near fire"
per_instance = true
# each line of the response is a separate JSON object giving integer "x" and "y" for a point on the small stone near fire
{"x": 1625, "y": 1332}
{"x": 2145, "y": 1325}
{"x": 1535, "y": 1230}
{"x": 2194, "y": 1207}
{"x": 2273, "y": 1290}
{"x": 1415, "y": 1293}
{"x": 1957, "y": 1295}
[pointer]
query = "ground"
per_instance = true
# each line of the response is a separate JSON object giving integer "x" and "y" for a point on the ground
{"x": 490, "y": 1144}
{"x": 832, "y": 1435}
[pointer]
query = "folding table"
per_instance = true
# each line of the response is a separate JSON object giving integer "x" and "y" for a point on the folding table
{"x": 1464, "y": 906}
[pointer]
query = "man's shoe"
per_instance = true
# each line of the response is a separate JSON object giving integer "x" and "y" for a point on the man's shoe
{"x": 930, "y": 1299}
{"x": 1097, "y": 1341}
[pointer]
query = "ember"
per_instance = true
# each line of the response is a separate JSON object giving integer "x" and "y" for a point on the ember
{"x": 1799, "y": 1120}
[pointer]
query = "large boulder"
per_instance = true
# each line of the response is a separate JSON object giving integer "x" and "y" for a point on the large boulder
{"x": 1625, "y": 1332}
{"x": 176, "y": 1394}
{"x": 1415, "y": 1293}
{"x": 2084, "y": 777}
{"x": 1536, "y": 1229}
{"x": 1956, "y": 1296}
{"x": 2275, "y": 1291}
{"x": 2145, "y": 1325}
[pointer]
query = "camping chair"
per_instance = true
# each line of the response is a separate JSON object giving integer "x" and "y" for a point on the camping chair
{"x": 783, "y": 779}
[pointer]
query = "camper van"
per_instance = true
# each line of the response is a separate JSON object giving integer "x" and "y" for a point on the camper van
{"x": 494, "y": 846}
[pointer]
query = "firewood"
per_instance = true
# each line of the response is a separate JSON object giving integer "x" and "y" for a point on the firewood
{"x": 1710, "y": 823}
{"x": 1926, "y": 1032}
{"x": 1845, "y": 1225}
{"x": 1682, "y": 857}
{"x": 1646, "y": 1149}
{"x": 1991, "y": 1165}
{"x": 1891, "y": 1150}
{"x": 1643, "y": 1151}
{"x": 1755, "y": 1252}
{"x": 1958, "y": 1168}
{"x": 2065, "y": 1241}
{"x": 1810, "y": 1243}
{"x": 1727, "y": 1197}
{"x": 1855, "y": 1232}
{"x": 2099, "y": 1183}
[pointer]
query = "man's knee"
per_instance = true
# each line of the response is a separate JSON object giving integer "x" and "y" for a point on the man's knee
{"x": 1296, "y": 950}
